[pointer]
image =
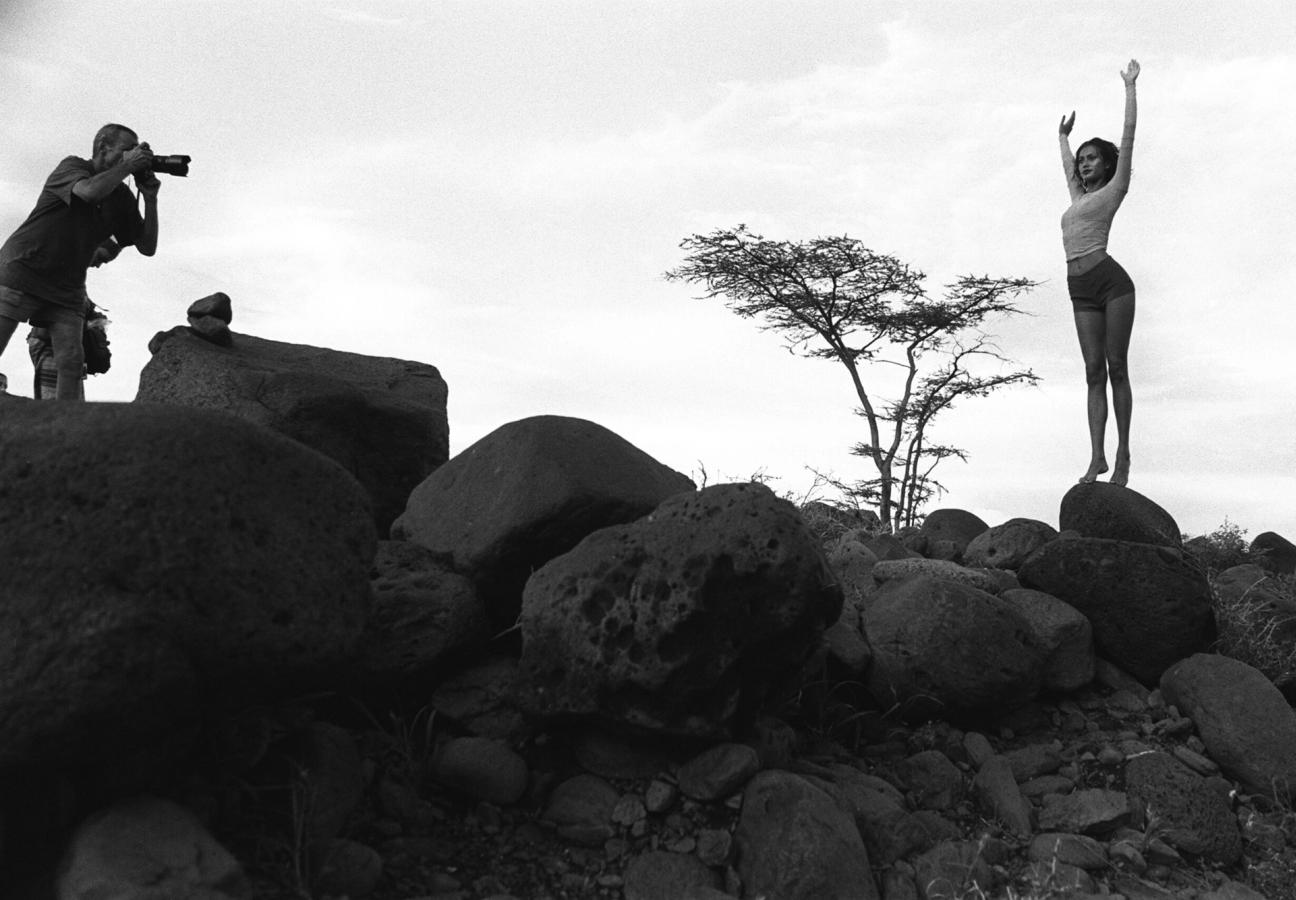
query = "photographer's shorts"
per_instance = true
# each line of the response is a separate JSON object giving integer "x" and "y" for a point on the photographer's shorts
{"x": 1099, "y": 286}
{"x": 24, "y": 307}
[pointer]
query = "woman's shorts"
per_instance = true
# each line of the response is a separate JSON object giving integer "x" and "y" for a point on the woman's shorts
{"x": 1099, "y": 286}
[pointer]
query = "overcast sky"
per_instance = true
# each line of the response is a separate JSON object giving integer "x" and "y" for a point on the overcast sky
{"x": 496, "y": 188}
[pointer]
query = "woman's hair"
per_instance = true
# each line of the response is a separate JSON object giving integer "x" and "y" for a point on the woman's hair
{"x": 1107, "y": 150}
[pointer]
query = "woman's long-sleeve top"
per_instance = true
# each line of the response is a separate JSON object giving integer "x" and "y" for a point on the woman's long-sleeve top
{"x": 1087, "y": 222}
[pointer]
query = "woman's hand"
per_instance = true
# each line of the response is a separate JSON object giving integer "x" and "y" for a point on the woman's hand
{"x": 1065, "y": 126}
{"x": 1131, "y": 73}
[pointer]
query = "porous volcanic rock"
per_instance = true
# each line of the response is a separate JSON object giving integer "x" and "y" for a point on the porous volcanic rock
{"x": 1148, "y": 607}
{"x": 161, "y": 545}
{"x": 680, "y": 622}
{"x": 1246, "y": 725}
{"x": 1006, "y": 546}
{"x": 383, "y": 420}
{"x": 1101, "y": 509}
{"x": 941, "y": 648}
{"x": 527, "y": 492}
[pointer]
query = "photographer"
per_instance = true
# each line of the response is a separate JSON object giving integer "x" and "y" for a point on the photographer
{"x": 43, "y": 263}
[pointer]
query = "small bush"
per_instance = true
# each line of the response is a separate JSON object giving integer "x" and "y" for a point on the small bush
{"x": 1223, "y": 548}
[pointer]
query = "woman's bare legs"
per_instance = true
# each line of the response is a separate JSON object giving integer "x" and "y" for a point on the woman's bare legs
{"x": 1120, "y": 322}
{"x": 1091, "y": 328}
{"x": 1104, "y": 344}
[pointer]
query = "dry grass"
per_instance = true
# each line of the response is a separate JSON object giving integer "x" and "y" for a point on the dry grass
{"x": 1253, "y": 634}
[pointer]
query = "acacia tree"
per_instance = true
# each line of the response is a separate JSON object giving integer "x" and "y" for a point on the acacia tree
{"x": 832, "y": 298}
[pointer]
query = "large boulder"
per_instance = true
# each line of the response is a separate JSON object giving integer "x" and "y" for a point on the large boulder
{"x": 941, "y": 648}
{"x": 1065, "y": 634}
{"x": 1247, "y": 726}
{"x": 1279, "y": 553}
{"x": 383, "y": 420}
{"x": 149, "y": 549}
{"x": 527, "y": 492}
{"x": 952, "y": 529}
{"x": 1006, "y": 546}
{"x": 1101, "y": 509}
{"x": 1147, "y": 605}
{"x": 682, "y": 622}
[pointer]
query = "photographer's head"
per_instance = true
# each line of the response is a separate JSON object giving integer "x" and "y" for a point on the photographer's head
{"x": 111, "y": 143}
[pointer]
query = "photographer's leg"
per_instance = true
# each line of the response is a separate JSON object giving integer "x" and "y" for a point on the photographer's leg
{"x": 7, "y": 328}
{"x": 69, "y": 357}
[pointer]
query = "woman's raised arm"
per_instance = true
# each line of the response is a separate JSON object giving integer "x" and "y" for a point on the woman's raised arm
{"x": 1122, "y": 176}
{"x": 1068, "y": 159}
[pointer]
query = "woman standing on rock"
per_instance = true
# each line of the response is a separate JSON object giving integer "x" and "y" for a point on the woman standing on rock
{"x": 1102, "y": 294}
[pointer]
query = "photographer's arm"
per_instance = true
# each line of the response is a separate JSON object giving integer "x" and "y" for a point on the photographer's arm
{"x": 148, "y": 185}
{"x": 98, "y": 187}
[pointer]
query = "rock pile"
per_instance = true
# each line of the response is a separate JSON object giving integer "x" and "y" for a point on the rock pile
{"x": 567, "y": 673}
{"x": 383, "y": 420}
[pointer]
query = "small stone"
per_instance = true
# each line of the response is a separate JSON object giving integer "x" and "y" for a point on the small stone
{"x": 483, "y": 768}
{"x": 1035, "y": 759}
{"x": 1047, "y": 784}
{"x": 660, "y": 796}
{"x": 581, "y": 808}
{"x": 1127, "y": 853}
{"x": 1195, "y": 761}
{"x": 1110, "y": 756}
{"x": 978, "y": 748}
{"x": 1072, "y": 849}
{"x": 1261, "y": 834}
{"x": 1092, "y": 810}
{"x": 629, "y": 810}
{"x": 441, "y": 883}
{"x": 1161, "y": 853}
{"x": 1175, "y": 727}
{"x": 714, "y": 846}
{"x": 719, "y": 771}
{"x": 660, "y": 875}
{"x": 683, "y": 845}
{"x": 344, "y": 868}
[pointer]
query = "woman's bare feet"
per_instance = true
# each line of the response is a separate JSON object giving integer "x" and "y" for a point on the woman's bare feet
{"x": 1096, "y": 468}
{"x": 1121, "y": 474}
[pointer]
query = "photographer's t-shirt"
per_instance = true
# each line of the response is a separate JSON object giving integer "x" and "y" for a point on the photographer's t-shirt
{"x": 50, "y": 252}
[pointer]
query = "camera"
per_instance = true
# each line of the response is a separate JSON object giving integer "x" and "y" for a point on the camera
{"x": 170, "y": 165}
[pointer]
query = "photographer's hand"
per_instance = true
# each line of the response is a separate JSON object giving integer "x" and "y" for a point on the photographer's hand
{"x": 137, "y": 159}
{"x": 147, "y": 183}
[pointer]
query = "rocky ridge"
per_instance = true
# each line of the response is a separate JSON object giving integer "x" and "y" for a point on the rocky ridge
{"x": 702, "y": 696}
